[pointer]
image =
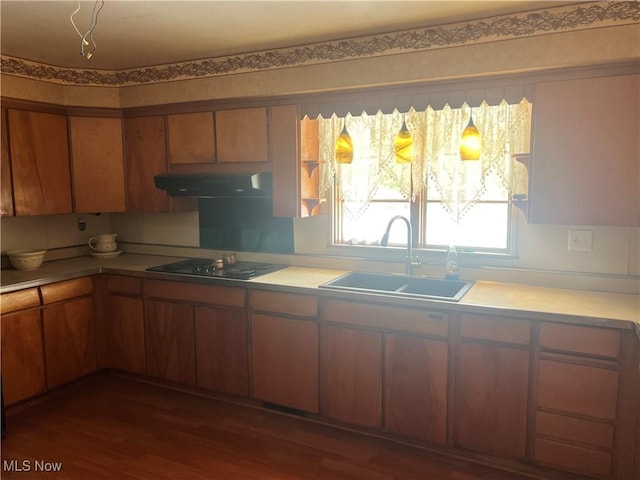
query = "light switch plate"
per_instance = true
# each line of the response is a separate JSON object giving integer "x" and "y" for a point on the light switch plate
{"x": 580, "y": 240}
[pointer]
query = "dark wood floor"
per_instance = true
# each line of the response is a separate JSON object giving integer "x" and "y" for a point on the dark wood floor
{"x": 109, "y": 427}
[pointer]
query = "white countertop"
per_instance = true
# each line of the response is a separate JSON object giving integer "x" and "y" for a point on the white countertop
{"x": 599, "y": 308}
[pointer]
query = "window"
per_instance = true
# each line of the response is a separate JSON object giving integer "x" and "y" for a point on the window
{"x": 449, "y": 201}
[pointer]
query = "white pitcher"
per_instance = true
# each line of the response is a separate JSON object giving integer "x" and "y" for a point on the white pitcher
{"x": 104, "y": 243}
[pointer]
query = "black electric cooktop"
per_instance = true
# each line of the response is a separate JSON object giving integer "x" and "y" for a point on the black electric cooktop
{"x": 204, "y": 267}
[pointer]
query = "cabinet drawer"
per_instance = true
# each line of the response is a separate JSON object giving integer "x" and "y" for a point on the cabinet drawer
{"x": 579, "y": 389}
{"x": 56, "y": 292}
{"x": 20, "y": 300}
{"x": 195, "y": 293}
{"x": 278, "y": 302}
{"x": 573, "y": 458}
{"x": 574, "y": 429}
{"x": 125, "y": 285}
{"x": 578, "y": 339}
{"x": 394, "y": 318}
{"x": 496, "y": 329}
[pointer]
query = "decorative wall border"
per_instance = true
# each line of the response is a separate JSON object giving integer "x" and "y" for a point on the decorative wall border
{"x": 559, "y": 19}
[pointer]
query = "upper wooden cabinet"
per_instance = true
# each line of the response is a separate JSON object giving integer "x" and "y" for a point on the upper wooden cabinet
{"x": 191, "y": 138}
{"x": 241, "y": 135}
{"x": 310, "y": 198}
{"x": 6, "y": 189}
{"x": 145, "y": 157}
{"x": 39, "y": 163}
{"x": 284, "y": 145}
{"x": 586, "y": 152}
{"x": 98, "y": 164}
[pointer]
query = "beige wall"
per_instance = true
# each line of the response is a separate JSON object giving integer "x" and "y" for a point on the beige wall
{"x": 558, "y": 50}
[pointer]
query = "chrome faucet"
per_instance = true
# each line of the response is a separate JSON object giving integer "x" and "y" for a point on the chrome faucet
{"x": 385, "y": 241}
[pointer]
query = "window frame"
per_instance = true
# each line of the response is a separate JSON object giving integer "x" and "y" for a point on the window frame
{"x": 417, "y": 218}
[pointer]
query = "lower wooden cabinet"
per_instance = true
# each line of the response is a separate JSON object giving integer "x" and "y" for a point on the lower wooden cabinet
{"x": 577, "y": 403}
{"x": 561, "y": 396}
{"x": 69, "y": 340}
{"x": 222, "y": 349}
{"x": 352, "y": 375}
{"x": 285, "y": 361}
{"x": 169, "y": 339}
{"x": 415, "y": 387}
{"x": 574, "y": 444}
{"x": 492, "y": 385}
{"x": 23, "y": 372}
{"x": 285, "y": 349}
{"x": 124, "y": 334}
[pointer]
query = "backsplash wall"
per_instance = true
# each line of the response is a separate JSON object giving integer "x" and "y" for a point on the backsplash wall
{"x": 615, "y": 255}
{"x": 50, "y": 231}
{"x": 616, "y": 250}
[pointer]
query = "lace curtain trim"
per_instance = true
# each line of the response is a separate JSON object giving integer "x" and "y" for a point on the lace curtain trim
{"x": 436, "y": 134}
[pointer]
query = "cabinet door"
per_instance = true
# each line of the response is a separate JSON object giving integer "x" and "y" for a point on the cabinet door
{"x": 352, "y": 376}
{"x": 191, "y": 138}
{"x": 222, "y": 350}
{"x": 124, "y": 334}
{"x": 241, "y": 135}
{"x": 169, "y": 338}
{"x": 98, "y": 164}
{"x": 145, "y": 156}
{"x": 284, "y": 144}
{"x": 69, "y": 340}
{"x": 6, "y": 189}
{"x": 416, "y": 387}
{"x": 578, "y": 389}
{"x": 285, "y": 361}
{"x": 585, "y": 152}
{"x": 22, "y": 356}
{"x": 39, "y": 163}
{"x": 491, "y": 399}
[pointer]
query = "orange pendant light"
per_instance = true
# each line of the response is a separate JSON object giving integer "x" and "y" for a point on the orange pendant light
{"x": 403, "y": 145}
{"x": 344, "y": 147}
{"x": 470, "y": 144}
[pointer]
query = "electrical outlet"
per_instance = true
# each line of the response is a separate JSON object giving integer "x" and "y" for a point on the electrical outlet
{"x": 580, "y": 240}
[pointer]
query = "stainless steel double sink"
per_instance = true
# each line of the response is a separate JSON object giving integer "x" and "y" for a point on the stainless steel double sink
{"x": 400, "y": 285}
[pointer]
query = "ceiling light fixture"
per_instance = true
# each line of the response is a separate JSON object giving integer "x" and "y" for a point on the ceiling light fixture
{"x": 88, "y": 35}
{"x": 344, "y": 146}
{"x": 403, "y": 144}
{"x": 470, "y": 143}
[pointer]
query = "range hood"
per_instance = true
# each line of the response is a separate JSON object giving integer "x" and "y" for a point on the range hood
{"x": 212, "y": 185}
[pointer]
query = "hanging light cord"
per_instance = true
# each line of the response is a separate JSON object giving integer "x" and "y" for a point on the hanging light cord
{"x": 89, "y": 33}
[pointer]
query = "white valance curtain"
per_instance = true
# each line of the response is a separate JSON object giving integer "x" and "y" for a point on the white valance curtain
{"x": 436, "y": 133}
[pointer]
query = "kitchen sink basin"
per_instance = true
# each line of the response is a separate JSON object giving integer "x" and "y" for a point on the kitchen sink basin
{"x": 400, "y": 285}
